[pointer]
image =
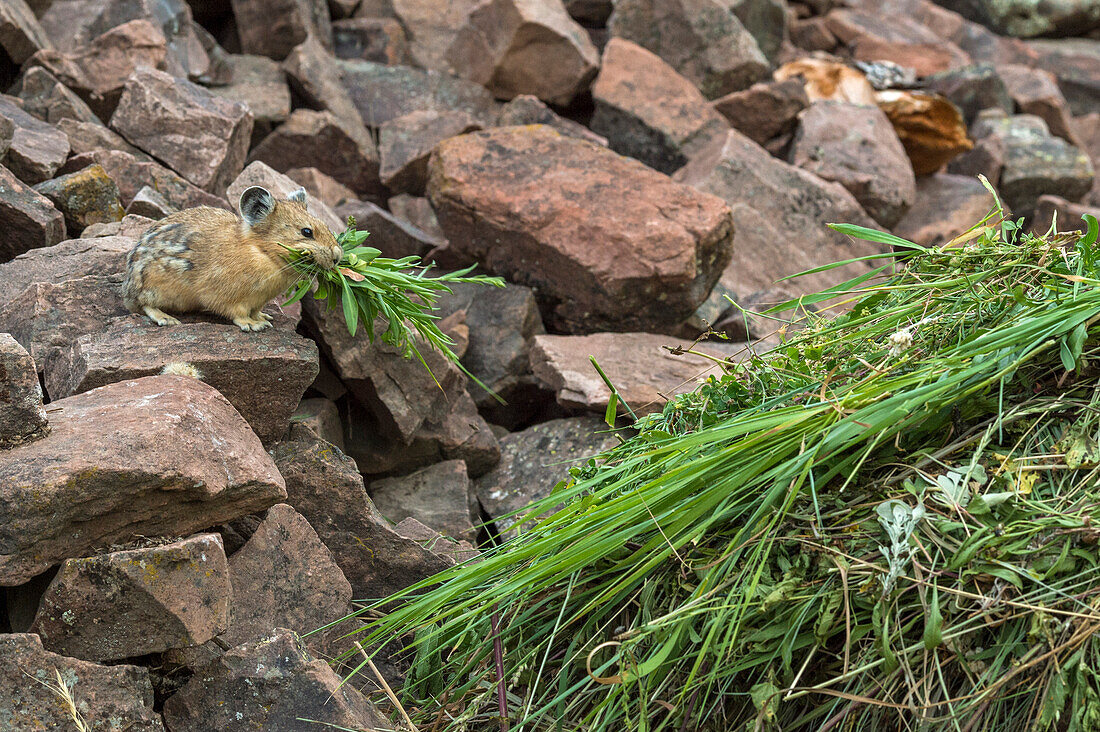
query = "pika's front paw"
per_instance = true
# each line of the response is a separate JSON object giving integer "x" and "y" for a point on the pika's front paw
{"x": 160, "y": 317}
{"x": 251, "y": 324}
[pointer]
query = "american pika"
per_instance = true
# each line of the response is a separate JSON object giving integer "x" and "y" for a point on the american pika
{"x": 208, "y": 259}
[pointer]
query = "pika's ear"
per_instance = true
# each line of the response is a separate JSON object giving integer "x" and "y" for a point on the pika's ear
{"x": 298, "y": 196}
{"x": 256, "y": 205}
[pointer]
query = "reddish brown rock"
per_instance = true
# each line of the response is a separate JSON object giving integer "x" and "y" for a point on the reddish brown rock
{"x": 132, "y": 173}
{"x": 315, "y": 78}
{"x": 1035, "y": 91}
{"x": 261, "y": 84}
{"x": 898, "y": 38}
{"x": 435, "y": 542}
{"x": 1087, "y": 130}
{"x": 148, "y": 203}
{"x": 37, "y": 149}
{"x": 163, "y": 455}
{"x": 51, "y": 101}
{"x": 701, "y": 39}
{"x": 7, "y": 131}
{"x": 1076, "y": 63}
{"x": 381, "y": 40}
{"x": 931, "y": 129}
{"x": 85, "y": 197}
{"x": 663, "y": 136}
{"x": 71, "y": 259}
{"x": 27, "y": 218}
{"x": 180, "y": 591}
{"x": 497, "y": 47}
{"x": 20, "y": 34}
{"x": 97, "y": 72}
{"x": 659, "y": 255}
{"x": 972, "y": 89}
{"x": 784, "y": 211}
{"x": 431, "y": 26}
{"x": 260, "y": 174}
{"x": 524, "y": 475}
{"x": 200, "y": 136}
{"x": 272, "y": 683}
{"x": 273, "y": 28}
{"x": 394, "y": 237}
{"x": 262, "y": 377}
{"x": 122, "y": 694}
{"x": 324, "y": 187}
{"x": 22, "y": 417}
{"x": 383, "y": 92}
{"x": 405, "y": 143}
{"x": 324, "y": 141}
{"x": 812, "y": 34}
{"x": 857, "y": 147}
{"x": 1067, "y": 213}
{"x": 945, "y": 206}
{"x": 321, "y": 417}
{"x": 529, "y": 110}
{"x": 764, "y": 110}
{"x": 131, "y": 227}
{"x": 439, "y": 496}
{"x": 88, "y": 137}
{"x": 416, "y": 210}
{"x": 325, "y": 486}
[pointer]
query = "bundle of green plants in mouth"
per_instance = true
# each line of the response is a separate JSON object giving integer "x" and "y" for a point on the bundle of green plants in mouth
{"x": 365, "y": 285}
{"x": 888, "y": 522}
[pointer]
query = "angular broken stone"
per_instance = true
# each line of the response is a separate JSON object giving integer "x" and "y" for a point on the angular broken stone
{"x": 271, "y": 682}
{"x": 534, "y": 460}
{"x": 382, "y": 92}
{"x": 88, "y": 137}
{"x": 21, "y": 36}
{"x": 405, "y": 143}
{"x": 1068, "y": 214}
{"x": 85, "y": 197}
{"x": 315, "y": 78}
{"x": 71, "y": 259}
{"x": 931, "y": 129}
{"x": 972, "y": 89}
{"x": 644, "y": 372}
{"x": 438, "y": 496}
{"x": 37, "y": 149}
{"x": 50, "y": 101}
{"x": 945, "y": 206}
{"x": 394, "y": 237}
{"x": 381, "y": 40}
{"x": 150, "y": 204}
{"x": 162, "y": 455}
{"x": 435, "y": 542}
{"x": 273, "y": 28}
{"x": 261, "y": 84}
{"x": 27, "y": 218}
{"x": 764, "y": 110}
{"x": 667, "y": 242}
{"x": 417, "y": 211}
{"x": 903, "y": 40}
{"x": 703, "y": 40}
{"x": 122, "y": 694}
{"x": 321, "y": 417}
{"x": 180, "y": 591}
{"x": 202, "y": 137}
{"x": 7, "y": 131}
{"x": 875, "y": 170}
{"x": 1035, "y": 91}
{"x": 132, "y": 173}
{"x": 431, "y": 26}
{"x": 495, "y": 48}
{"x": 325, "y": 486}
{"x": 261, "y": 174}
{"x": 663, "y": 136}
{"x": 322, "y": 186}
{"x": 22, "y": 417}
{"x": 530, "y": 110}
{"x": 262, "y": 377}
{"x": 326, "y": 142}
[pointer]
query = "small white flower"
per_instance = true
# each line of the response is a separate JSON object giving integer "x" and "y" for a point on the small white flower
{"x": 900, "y": 342}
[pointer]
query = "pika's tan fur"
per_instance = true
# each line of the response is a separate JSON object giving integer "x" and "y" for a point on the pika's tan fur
{"x": 209, "y": 259}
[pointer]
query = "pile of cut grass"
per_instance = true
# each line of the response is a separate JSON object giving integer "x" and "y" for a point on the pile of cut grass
{"x": 890, "y": 522}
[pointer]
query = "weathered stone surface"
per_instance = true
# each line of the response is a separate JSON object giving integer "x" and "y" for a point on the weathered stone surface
{"x": 764, "y": 110}
{"x": 435, "y": 542}
{"x": 121, "y": 696}
{"x": 826, "y": 80}
{"x": 261, "y": 84}
{"x": 323, "y": 141}
{"x": 405, "y": 143}
{"x": 261, "y": 174}
{"x": 132, "y": 173}
{"x": 1087, "y": 129}
{"x": 21, "y": 36}
{"x": 1025, "y": 19}
{"x": 7, "y": 131}
{"x": 945, "y": 206}
{"x": 262, "y": 377}
{"x": 639, "y": 366}
{"x": 319, "y": 185}
{"x": 534, "y": 460}
{"x": 324, "y": 485}
{"x": 701, "y": 39}
{"x": 663, "y": 136}
{"x": 782, "y": 210}
{"x": 1035, "y": 162}
{"x": 274, "y": 27}
{"x": 270, "y": 683}
{"x": 150, "y": 204}
{"x": 525, "y": 47}
{"x": 530, "y": 110}
{"x": 381, "y": 40}
{"x": 97, "y": 72}
{"x": 872, "y": 37}
{"x": 202, "y": 137}
{"x": 383, "y": 92}
{"x": 416, "y": 210}
{"x": 131, "y": 227}
{"x": 22, "y": 417}
{"x": 163, "y": 455}
{"x": 394, "y": 237}
{"x": 414, "y": 419}
{"x": 315, "y": 78}
{"x": 50, "y": 101}
{"x": 1076, "y": 63}
{"x": 1035, "y": 91}
{"x": 431, "y": 27}
{"x": 858, "y": 148}
{"x": 88, "y": 137}
{"x": 68, "y": 260}
{"x": 766, "y": 21}
{"x": 972, "y": 89}
{"x": 438, "y": 496}
{"x": 931, "y": 129}
{"x": 27, "y": 218}
{"x": 1068, "y": 214}
{"x": 658, "y": 256}
{"x": 812, "y": 34}
{"x": 322, "y": 418}
{"x": 145, "y": 600}
{"x": 85, "y": 197}
{"x": 37, "y": 149}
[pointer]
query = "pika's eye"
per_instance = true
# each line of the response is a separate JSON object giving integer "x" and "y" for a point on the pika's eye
{"x": 307, "y": 233}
